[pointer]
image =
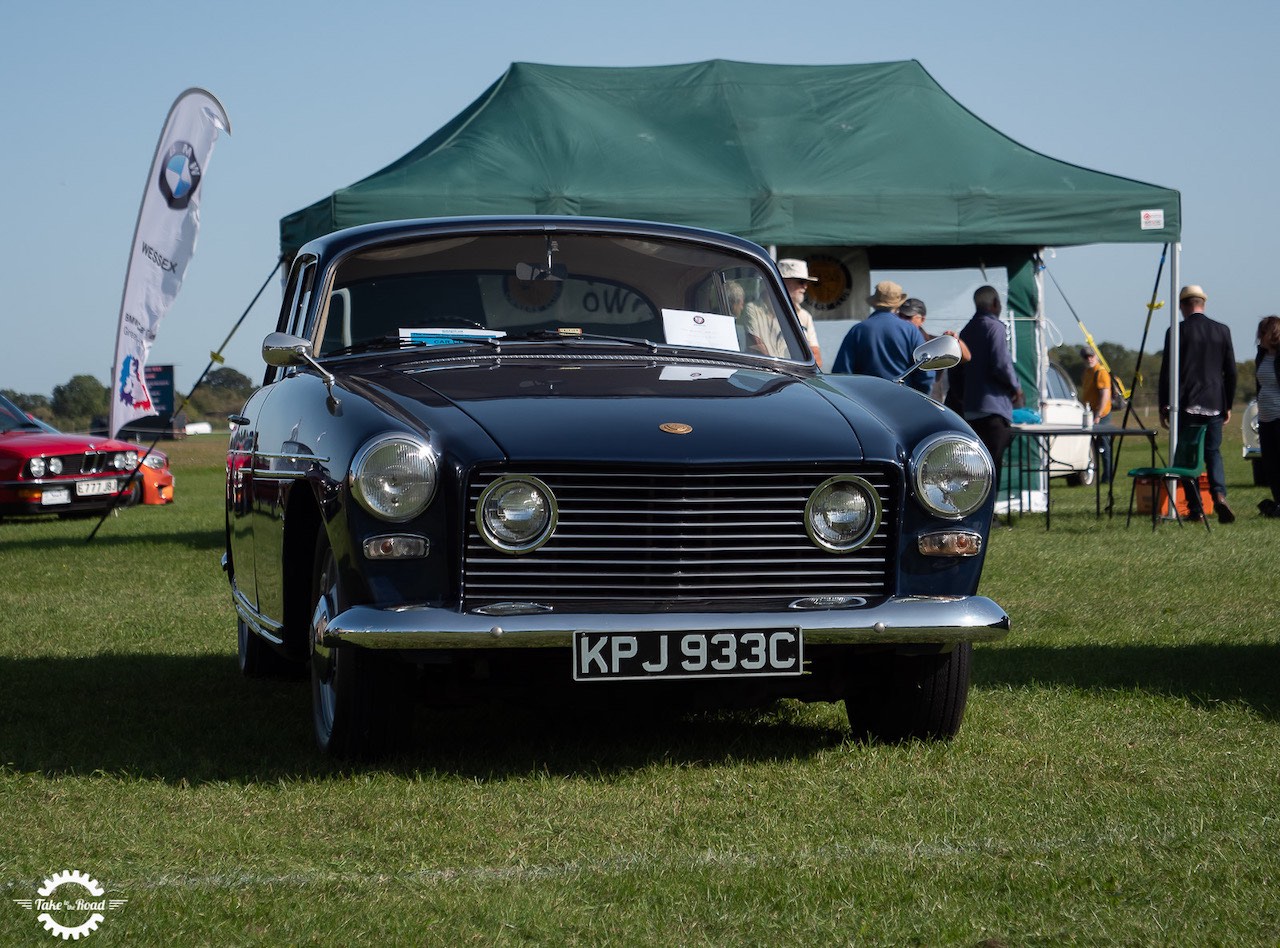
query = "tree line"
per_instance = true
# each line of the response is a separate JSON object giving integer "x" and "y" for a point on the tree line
{"x": 82, "y": 403}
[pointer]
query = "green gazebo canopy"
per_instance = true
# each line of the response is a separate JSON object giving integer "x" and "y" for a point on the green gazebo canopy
{"x": 876, "y": 155}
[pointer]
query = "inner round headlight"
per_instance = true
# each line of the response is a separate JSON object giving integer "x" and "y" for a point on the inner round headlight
{"x": 394, "y": 477}
{"x": 516, "y": 514}
{"x": 55, "y": 465}
{"x": 953, "y": 475}
{"x": 842, "y": 514}
{"x": 37, "y": 466}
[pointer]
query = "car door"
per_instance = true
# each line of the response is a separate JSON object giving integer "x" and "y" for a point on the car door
{"x": 254, "y": 492}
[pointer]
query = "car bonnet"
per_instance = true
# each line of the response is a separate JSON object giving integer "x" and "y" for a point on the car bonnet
{"x": 639, "y": 411}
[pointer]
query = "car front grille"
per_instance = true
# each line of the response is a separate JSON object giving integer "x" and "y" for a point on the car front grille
{"x": 88, "y": 462}
{"x": 660, "y": 539}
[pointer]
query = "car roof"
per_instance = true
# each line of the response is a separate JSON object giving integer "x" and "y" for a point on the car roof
{"x": 339, "y": 242}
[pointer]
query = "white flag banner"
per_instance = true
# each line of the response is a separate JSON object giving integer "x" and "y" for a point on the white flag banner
{"x": 163, "y": 244}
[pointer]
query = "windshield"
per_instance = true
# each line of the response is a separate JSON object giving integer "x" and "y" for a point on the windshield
{"x": 13, "y": 418}
{"x": 537, "y": 287}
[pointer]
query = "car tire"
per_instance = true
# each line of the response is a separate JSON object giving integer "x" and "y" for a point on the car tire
{"x": 360, "y": 699}
{"x": 135, "y": 494}
{"x": 1086, "y": 477}
{"x": 897, "y": 698}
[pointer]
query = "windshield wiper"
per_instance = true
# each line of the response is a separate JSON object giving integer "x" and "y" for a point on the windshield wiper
{"x": 550, "y": 334}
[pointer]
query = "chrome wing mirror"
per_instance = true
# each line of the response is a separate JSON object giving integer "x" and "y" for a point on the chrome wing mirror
{"x": 283, "y": 351}
{"x": 940, "y": 352}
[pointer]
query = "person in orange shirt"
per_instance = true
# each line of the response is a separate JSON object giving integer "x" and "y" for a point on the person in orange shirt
{"x": 1095, "y": 392}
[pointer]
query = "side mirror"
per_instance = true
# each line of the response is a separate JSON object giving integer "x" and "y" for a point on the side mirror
{"x": 940, "y": 352}
{"x": 283, "y": 350}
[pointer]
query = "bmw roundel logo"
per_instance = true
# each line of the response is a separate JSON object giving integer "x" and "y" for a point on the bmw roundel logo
{"x": 179, "y": 175}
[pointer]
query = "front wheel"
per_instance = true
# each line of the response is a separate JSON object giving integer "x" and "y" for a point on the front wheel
{"x": 896, "y": 698}
{"x": 360, "y": 700}
{"x": 1086, "y": 477}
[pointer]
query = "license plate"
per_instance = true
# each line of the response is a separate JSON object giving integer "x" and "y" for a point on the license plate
{"x": 617, "y": 656}
{"x": 56, "y": 495}
{"x": 94, "y": 488}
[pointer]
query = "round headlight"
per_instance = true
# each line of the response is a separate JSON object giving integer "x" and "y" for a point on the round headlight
{"x": 37, "y": 467}
{"x": 842, "y": 514}
{"x": 55, "y": 465}
{"x": 516, "y": 514}
{"x": 953, "y": 475}
{"x": 394, "y": 477}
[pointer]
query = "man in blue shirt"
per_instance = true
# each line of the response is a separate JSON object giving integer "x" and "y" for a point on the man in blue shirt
{"x": 986, "y": 388}
{"x": 882, "y": 344}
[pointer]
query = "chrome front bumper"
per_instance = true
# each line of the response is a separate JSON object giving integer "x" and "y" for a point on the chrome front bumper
{"x": 908, "y": 620}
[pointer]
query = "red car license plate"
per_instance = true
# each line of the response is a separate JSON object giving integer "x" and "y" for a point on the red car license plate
{"x": 94, "y": 488}
{"x": 616, "y": 656}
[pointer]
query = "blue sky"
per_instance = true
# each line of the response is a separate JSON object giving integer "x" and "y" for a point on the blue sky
{"x": 322, "y": 94}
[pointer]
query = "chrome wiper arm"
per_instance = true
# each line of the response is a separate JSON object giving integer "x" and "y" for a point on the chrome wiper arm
{"x": 558, "y": 335}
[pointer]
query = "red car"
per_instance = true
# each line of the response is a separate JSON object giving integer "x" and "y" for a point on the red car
{"x": 44, "y": 471}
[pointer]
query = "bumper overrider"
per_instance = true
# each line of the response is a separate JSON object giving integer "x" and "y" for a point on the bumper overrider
{"x": 942, "y": 620}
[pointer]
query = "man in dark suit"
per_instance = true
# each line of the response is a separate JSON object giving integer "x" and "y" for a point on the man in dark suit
{"x": 986, "y": 388}
{"x": 1206, "y": 386}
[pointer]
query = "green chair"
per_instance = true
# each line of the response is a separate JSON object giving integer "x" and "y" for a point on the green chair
{"x": 1188, "y": 462}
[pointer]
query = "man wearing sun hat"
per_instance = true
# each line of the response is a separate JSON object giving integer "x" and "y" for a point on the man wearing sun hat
{"x": 1206, "y": 386}
{"x": 882, "y": 344}
{"x": 762, "y": 327}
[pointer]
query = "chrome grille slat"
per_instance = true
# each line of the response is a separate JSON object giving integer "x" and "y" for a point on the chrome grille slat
{"x": 663, "y": 537}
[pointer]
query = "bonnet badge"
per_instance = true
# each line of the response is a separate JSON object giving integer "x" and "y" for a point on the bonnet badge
{"x": 675, "y": 427}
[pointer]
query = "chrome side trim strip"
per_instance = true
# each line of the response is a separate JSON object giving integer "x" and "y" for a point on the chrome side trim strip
{"x": 269, "y": 629}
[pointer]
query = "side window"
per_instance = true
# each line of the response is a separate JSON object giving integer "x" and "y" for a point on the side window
{"x": 297, "y": 293}
{"x": 293, "y": 308}
{"x": 1058, "y": 385}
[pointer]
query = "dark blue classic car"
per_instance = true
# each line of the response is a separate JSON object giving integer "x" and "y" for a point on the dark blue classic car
{"x": 540, "y": 456}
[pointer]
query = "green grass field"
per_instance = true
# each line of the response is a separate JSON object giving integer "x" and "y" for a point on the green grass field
{"x": 1116, "y": 780}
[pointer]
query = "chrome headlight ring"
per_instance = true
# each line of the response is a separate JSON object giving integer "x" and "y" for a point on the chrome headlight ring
{"x": 952, "y": 475}
{"x": 842, "y": 513}
{"x": 394, "y": 476}
{"x": 517, "y": 513}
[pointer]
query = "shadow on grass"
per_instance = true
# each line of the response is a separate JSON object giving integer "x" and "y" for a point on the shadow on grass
{"x": 195, "y": 719}
{"x": 1202, "y": 674}
{"x": 25, "y": 533}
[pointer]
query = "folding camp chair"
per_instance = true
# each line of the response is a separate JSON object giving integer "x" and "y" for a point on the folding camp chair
{"x": 1188, "y": 462}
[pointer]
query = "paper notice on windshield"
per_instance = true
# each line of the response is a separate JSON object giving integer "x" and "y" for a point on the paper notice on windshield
{"x": 685, "y": 327}
{"x": 690, "y": 373}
